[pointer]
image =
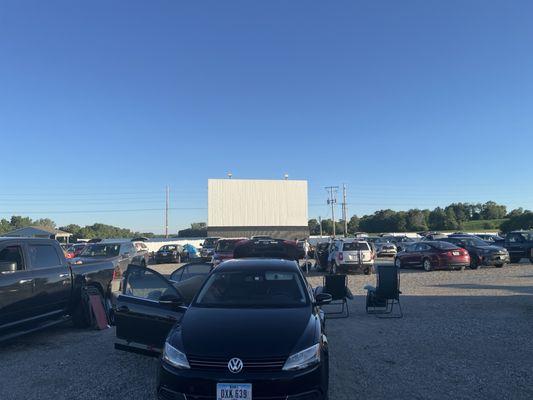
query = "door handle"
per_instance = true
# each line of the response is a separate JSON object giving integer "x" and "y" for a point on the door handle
{"x": 22, "y": 281}
{"x": 63, "y": 275}
{"x": 123, "y": 309}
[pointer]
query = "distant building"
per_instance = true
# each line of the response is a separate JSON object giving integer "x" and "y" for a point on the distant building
{"x": 248, "y": 207}
{"x": 40, "y": 232}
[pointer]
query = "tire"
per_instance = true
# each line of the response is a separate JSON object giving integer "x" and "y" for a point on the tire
{"x": 398, "y": 263}
{"x": 82, "y": 316}
{"x": 474, "y": 263}
{"x": 426, "y": 264}
{"x": 368, "y": 271}
{"x": 499, "y": 265}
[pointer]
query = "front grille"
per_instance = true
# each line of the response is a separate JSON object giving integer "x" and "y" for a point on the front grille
{"x": 250, "y": 365}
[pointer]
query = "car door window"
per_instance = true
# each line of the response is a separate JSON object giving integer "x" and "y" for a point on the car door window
{"x": 193, "y": 270}
{"x": 146, "y": 284}
{"x": 43, "y": 256}
{"x": 12, "y": 254}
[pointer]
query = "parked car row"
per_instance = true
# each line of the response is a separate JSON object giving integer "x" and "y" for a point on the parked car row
{"x": 461, "y": 250}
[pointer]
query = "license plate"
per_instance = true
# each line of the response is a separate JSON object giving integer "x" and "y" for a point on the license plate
{"x": 234, "y": 391}
{"x": 455, "y": 253}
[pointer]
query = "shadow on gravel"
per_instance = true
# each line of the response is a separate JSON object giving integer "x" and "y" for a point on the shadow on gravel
{"x": 445, "y": 347}
{"x": 474, "y": 286}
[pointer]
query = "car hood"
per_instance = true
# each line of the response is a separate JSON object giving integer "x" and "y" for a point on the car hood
{"x": 246, "y": 333}
{"x": 491, "y": 248}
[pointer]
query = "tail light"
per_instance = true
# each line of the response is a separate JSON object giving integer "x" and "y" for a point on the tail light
{"x": 341, "y": 256}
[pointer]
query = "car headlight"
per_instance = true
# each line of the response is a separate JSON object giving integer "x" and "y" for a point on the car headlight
{"x": 303, "y": 359}
{"x": 175, "y": 357}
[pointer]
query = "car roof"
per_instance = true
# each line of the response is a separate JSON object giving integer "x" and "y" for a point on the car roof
{"x": 258, "y": 264}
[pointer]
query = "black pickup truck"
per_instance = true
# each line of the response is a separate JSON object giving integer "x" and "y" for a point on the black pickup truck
{"x": 520, "y": 245}
{"x": 39, "y": 288}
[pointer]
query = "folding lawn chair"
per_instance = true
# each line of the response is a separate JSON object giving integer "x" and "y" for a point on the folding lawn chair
{"x": 337, "y": 287}
{"x": 382, "y": 298}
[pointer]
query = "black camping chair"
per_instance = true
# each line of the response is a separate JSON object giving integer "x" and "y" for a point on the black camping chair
{"x": 337, "y": 287}
{"x": 382, "y": 298}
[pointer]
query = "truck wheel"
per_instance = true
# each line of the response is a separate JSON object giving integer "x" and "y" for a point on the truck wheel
{"x": 83, "y": 316}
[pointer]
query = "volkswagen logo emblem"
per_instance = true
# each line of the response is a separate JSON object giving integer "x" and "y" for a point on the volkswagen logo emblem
{"x": 235, "y": 365}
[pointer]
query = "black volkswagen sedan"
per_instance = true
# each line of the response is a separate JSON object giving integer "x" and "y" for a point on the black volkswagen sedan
{"x": 253, "y": 331}
{"x": 481, "y": 253}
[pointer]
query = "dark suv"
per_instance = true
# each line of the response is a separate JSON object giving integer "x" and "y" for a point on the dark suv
{"x": 520, "y": 245}
{"x": 481, "y": 253}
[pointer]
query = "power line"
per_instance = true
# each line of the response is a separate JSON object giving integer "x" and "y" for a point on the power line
{"x": 99, "y": 211}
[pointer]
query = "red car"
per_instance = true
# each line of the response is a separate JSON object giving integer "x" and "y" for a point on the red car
{"x": 224, "y": 249}
{"x": 433, "y": 255}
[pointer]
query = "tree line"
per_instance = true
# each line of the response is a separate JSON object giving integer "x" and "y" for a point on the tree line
{"x": 452, "y": 217}
{"x": 78, "y": 232}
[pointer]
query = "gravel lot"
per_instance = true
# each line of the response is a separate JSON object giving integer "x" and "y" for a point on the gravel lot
{"x": 464, "y": 335}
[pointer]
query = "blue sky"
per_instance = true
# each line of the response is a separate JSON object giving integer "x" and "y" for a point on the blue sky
{"x": 411, "y": 104}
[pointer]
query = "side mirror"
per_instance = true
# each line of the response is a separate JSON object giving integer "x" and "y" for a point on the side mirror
{"x": 322, "y": 299}
{"x": 8, "y": 266}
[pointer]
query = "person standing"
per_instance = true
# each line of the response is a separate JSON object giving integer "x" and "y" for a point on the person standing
{"x": 306, "y": 254}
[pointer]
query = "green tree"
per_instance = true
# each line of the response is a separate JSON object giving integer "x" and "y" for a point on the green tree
{"x": 353, "y": 225}
{"x": 492, "y": 210}
{"x": 314, "y": 227}
{"x": 522, "y": 221}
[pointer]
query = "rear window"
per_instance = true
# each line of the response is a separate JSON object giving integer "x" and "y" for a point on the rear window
{"x": 226, "y": 245}
{"x": 355, "y": 246}
{"x": 444, "y": 245}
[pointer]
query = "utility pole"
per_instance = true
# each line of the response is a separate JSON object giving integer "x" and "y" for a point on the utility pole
{"x": 332, "y": 200}
{"x": 166, "y": 211}
{"x": 344, "y": 210}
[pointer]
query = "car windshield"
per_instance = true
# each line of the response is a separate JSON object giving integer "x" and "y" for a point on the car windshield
{"x": 253, "y": 289}
{"x": 210, "y": 242}
{"x": 101, "y": 250}
{"x": 355, "y": 246}
{"x": 528, "y": 236}
{"x": 444, "y": 245}
{"x": 226, "y": 245}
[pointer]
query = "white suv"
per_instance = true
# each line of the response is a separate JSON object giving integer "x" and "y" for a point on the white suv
{"x": 350, "y": 254}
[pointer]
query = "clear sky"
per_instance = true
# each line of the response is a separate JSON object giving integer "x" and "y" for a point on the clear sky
{"x": 410, "y": 103}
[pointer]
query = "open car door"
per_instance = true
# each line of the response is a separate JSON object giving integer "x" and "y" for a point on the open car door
{"x": 149, "y": 306}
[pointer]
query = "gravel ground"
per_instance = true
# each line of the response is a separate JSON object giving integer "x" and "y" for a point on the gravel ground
{"x": 464, "y": 335}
